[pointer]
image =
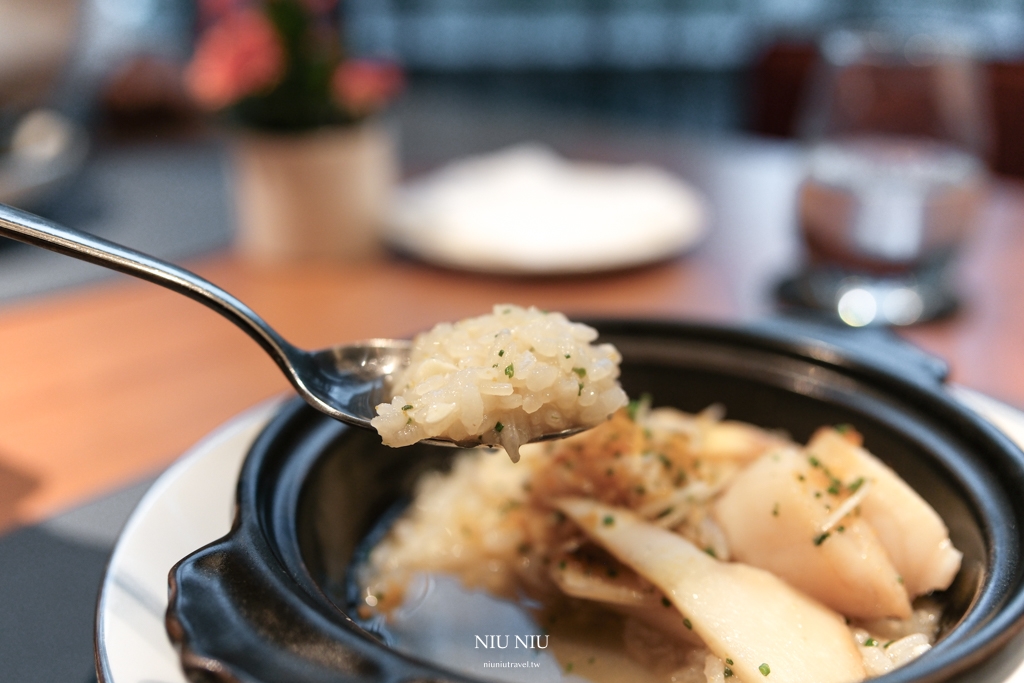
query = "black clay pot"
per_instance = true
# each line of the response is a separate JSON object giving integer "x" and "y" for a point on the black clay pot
{"x": 268, "y": 601}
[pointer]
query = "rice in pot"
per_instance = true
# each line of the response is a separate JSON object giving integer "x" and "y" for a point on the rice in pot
{"x": 698, "y": 548}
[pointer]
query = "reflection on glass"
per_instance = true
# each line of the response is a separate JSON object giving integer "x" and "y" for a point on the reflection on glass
{"x": 894, "y": 175}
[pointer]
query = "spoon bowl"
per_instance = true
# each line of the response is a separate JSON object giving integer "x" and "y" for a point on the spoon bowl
{"x": 345, "y": 382}
{"x": 359, "y": 377}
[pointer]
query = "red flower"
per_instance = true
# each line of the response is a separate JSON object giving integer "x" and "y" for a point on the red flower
{"x": 238, "y": 56}
{"x": 363, "y": 86}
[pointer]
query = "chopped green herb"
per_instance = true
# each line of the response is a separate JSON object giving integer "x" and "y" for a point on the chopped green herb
{"x": 840, "y": 528}
{"x": 634, "y": 406}
{"x": 820, "y": 538}
{"x": 568, "y": 667}
{"x": 870, "y": 642}
{"x": 775, "y": 510}
{"x": 817, "y": 494}
{"x": 888, "y": 644}
{"x": 711, "y": 551}
{"x": 899, "y": 579}
{"x": 801, "y": 477}
{"x": 764, "y": 669}
{"x": 507, "y": 311}
{"x": 501, "y": 352}
{"x": 495, "y": 365}
{"x": 834, "y": 487}
{"x": 407, "y": 406}
{"x": 498, "y": 427}
{"x": 409, "y": 421}
{"x": 814, "y": 461}
{"x": 582, "y": 372}
{"x": 665, "y": 513}
{"x": 843, "y": 428}
{"x": 568, "y": 355}
{"x": 665, "y": 461}
{"x": 608, "y": 520}
{"x": 666, "y": 602}
{"x": 510, "y": 370}
{"x": 855, "y": 484}
{"x": 729, "y": 662}
{"x": 687, "y": 623}
{"x": 580, "y": 391}
{"x": 727, "y": 673}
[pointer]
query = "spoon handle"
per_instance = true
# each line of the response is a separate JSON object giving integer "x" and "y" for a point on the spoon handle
{"x": 31, "y": 229}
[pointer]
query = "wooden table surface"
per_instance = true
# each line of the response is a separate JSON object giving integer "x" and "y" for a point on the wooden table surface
{"x": 105, "y": 384}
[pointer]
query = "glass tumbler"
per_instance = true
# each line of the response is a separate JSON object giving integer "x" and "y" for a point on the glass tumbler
{"x": 896, "y": 129}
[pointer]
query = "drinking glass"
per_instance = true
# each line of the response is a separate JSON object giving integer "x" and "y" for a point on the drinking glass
{"x": 896, "y": 129}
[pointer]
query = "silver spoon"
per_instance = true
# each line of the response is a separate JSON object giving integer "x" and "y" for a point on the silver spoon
{"x": 345, "y": 382}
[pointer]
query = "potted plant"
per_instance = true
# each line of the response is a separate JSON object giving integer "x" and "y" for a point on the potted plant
{"x": 313, "y": 168}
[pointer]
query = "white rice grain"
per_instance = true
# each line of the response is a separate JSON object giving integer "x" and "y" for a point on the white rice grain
{"x": 502, "y": 379}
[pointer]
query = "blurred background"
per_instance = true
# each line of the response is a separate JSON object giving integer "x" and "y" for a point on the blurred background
{"x": 251, "y": 140}
{"x": 688, "y": 64}
{"x": 130, "y": 143}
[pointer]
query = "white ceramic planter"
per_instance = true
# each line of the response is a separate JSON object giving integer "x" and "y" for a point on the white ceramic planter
{"x": 320, "y": 194}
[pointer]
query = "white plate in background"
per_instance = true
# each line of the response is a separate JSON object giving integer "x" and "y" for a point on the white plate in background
{"x": 527, "y": 211}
